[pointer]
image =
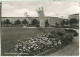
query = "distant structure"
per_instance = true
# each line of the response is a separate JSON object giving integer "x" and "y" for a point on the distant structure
{"x": 41, "y": 15}
{"x": 74, "y": 16}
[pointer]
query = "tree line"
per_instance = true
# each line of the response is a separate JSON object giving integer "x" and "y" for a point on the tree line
{"x": 24, "y": 22}
{"x": 35, "y": 22}
{"x": 71, "y": 22}
{"x": 16, "y": 23}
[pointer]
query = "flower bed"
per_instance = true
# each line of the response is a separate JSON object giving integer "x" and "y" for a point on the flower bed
{"x": 34, "y": 46}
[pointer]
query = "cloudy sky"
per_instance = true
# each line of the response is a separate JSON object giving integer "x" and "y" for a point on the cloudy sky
{"x": 58, "y": 9}
{"x": 40, "y": 0}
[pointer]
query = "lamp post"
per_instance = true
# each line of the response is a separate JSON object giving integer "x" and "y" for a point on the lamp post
{"x": 27, "y": 16}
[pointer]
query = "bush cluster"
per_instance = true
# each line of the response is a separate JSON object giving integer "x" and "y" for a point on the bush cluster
{"x": 65, "y": 36}
{"x": 72, "y": 31}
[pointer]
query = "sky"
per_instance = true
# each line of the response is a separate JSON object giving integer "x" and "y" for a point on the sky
{"x": 39, "y": 0}
{"x": 54, "y": 9}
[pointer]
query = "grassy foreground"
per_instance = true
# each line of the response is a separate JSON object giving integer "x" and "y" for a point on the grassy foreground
{"x": 10, "y": 35}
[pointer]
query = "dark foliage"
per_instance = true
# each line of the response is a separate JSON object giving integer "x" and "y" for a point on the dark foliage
{"x": 72, "y": 31}
{"x": 35, "y": 22}
{"x": 65, "y": 36}
{"x": 60, "y": 33}
{"x": 7, "y": 22}
{"x": 17, "y": 22}
{"x": 47, "y": 23}
{"x": 24, "y": 22}
{"x": 73, "y": 21}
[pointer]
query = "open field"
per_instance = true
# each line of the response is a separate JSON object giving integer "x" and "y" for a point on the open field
{"x": 10, "y": 35}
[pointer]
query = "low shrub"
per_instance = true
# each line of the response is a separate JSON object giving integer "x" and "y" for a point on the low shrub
{"x": 75, "y": 33}
{"x": 66, "y": 37}
{"x": 72, "y": 31}
{"x": 51, "y": 36}
{"x": 60, "y": 33}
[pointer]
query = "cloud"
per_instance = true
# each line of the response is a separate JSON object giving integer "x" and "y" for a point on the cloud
{"x": 73, "y": 9}
{"x": 17, "y": 9}
{"x": 33, "y": 13}
{"x": 21, "y": 10}
{"x": 50, "y": 14}
{"x": 7, "y": 6}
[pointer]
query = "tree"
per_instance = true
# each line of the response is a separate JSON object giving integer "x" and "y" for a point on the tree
{"x": 56, "y": 24}
{"x": 78, "y": 21}
{"x": 67, "y": 22}
{"x": 63, "y": 23}
{"x": 35, "y": 22}
{"x": 17, "y": 22}
{"x": 73, "y": 21}
{"x": 7, "y": 22}
{"x": 24, "y": 22}
{"x": 47, "y": 23}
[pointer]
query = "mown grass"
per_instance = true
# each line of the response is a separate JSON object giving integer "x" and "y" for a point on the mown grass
{"x": 10, "y": 35}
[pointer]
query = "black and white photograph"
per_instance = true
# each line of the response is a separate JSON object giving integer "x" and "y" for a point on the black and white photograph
{"x": 39, "y": 28}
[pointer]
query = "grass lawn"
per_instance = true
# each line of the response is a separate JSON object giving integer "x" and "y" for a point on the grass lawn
{"x": 10, "y": 35}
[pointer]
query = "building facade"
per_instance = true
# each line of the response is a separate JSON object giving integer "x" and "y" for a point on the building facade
{"x": 74, "y": 16}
